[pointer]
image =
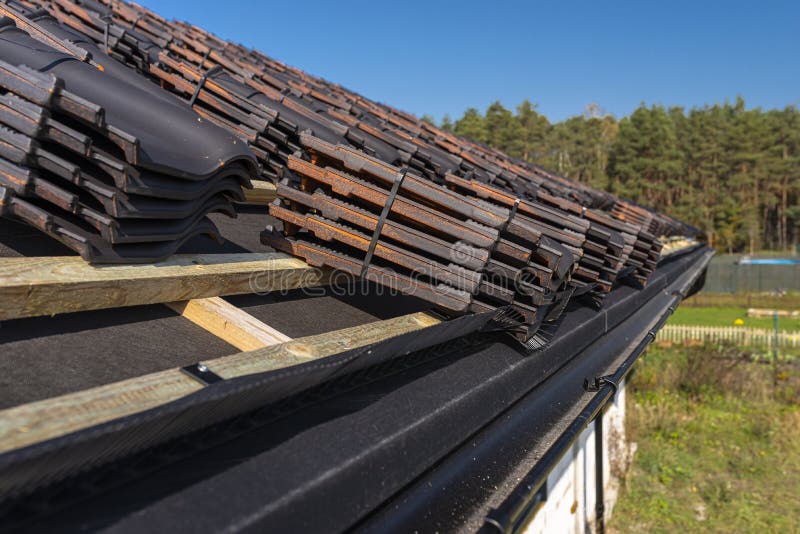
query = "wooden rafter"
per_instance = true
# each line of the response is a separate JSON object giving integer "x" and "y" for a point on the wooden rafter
{"x": 229, "y": 323}
{"x": 47, "y": 419}
{"x": 38, "y": 286}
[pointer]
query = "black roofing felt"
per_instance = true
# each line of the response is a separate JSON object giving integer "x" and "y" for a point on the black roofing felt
{"x": 328, "y": 466}
{"x": 48, "y": 356}
{"x": 45, "y": 357}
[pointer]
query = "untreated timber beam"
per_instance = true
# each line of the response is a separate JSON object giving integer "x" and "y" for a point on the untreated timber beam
{"x": 32, "y": 287}
{"x": 262, "y": 193}
{"x": 47, "y": 419}
{"x": 229, "y": 323}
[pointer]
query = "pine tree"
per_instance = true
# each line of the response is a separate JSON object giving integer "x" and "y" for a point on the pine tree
{"x": 534, "y": 130}
{"x": 644, "y": 160}
{"x": 730, "y": 171}
{"x": 471, "y": 126}
{"x": 500, "y": 131}
{"x": 447, "y": 123}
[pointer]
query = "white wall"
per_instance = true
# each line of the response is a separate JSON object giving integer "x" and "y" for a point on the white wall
{"x": 571, "y": 498}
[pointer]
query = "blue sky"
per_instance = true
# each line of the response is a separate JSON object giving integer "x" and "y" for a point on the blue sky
{"x": 443, "y": 57}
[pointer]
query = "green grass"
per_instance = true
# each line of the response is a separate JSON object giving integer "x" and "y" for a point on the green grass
{"x": 718, "y": 445}
{"x": 787, "y": 301}
{"x": 727, "y": 317}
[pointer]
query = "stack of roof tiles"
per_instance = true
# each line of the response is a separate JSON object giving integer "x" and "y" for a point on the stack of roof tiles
{"x": 369, "y": 189}
{"x": 103, "y": 160}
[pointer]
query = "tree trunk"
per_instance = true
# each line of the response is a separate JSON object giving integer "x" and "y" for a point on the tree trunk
{"x": 784, "y": 204}
{"x": 754, "y": 216}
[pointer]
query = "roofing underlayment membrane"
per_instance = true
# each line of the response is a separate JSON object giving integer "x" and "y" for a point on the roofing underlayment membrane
{"x": 125, "y": 138}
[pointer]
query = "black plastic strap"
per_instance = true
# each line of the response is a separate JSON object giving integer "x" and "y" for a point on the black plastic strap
{"x": 202, "y": 374}
{"x": 384, "y": 214}
{"x": 517, "y": 324}
{"x": 512, "y": 212}
{"x": 202, "y": 82}
{"x": 205, "y": 57}
{"x": 107, "y": 20}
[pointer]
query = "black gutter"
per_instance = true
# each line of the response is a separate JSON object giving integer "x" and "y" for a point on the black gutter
{"x": 507, "y": 516}
{"x": 461, "y": 485}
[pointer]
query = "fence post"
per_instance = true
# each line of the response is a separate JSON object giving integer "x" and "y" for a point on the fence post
{"x": 775, "y": 326}
{"x": 773, "y": 340}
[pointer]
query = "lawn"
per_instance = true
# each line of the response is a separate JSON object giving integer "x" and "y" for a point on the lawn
{"x": 786, "y": 301}
{"x": 718, "y": 445}
{"x": 727, "y": 317}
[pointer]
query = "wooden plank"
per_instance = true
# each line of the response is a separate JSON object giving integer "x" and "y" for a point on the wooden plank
{"x": 763, "y": 312}
{"x": 263, "y": 193}
{"x": 229, "y": 323}
{"x": 38, "y": 421}
{"x": 46, "y": 286}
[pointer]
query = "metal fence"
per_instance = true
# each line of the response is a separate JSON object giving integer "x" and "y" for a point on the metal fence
{"x": 726, "y": 275}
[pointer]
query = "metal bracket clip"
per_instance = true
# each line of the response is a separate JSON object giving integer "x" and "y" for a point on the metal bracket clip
{"x": 598, "y": 382}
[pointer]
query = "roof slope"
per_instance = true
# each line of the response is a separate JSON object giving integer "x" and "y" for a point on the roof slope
{"x": 363, "y": 187}
{"x": 125, "y": 135}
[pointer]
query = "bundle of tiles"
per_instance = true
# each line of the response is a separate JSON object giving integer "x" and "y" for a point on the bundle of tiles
{"x": 359, "y": 215}
{"x": 375, "y": 191}
{"x": 114, "y": 167}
